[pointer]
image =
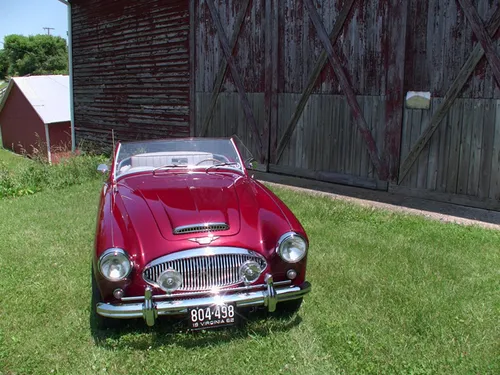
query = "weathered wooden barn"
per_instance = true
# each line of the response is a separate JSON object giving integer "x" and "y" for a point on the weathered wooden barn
{"x": 317, "y": 87}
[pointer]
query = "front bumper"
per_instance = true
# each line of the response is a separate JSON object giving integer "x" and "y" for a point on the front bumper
{"x": 151, "y": 309}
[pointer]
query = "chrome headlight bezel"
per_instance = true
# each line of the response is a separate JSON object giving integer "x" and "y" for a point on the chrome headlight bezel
{"x": 115, "y": 252}
{"x": 288, "y": 237}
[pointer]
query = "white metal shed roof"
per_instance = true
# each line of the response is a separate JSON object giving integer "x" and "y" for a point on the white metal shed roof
{"x": 49, "y": 96}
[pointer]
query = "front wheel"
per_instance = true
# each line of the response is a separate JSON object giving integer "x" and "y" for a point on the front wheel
{"x": 97, "y": 321}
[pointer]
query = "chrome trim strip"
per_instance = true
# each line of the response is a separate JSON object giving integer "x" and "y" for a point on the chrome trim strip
{"x": 158, "y": 297}
{"x": 202, "y": 251}
{"x": 257, "y": 298}
{"x": 201, "y": 227}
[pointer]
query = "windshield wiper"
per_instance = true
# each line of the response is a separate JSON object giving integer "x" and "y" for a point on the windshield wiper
{"x": 221, "y": 165}
{"x": 167, "y": 166}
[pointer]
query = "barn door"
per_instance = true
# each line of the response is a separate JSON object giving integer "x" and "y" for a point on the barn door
{"x": 339, "y": 92}
{"x": 314, "y": 87}
{"x": 450, "y": 150}
{"x": 231, "y": 54}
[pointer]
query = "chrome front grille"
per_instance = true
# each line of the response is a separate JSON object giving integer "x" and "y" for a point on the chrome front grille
{"x": 219, "y": 268}
{"x": 204, "y": 227}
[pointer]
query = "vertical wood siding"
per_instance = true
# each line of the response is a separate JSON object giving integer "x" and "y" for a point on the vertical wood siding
{"x": 325, "y": 138}
{"x": 230, "y": 115}
{"x": 359, "y": 46}
{"x": 440, "y": 39}
{"x": 462, "y": 157}
{"x": 131, "y": 69}
{"x": 249, "y": 49}
{"x": 459, "y": 162}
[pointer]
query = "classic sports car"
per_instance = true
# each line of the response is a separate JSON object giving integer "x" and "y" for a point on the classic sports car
{"x": 183, "y": 229}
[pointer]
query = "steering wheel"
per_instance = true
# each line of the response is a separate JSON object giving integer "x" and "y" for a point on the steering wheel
{"x": 209, "y": 159}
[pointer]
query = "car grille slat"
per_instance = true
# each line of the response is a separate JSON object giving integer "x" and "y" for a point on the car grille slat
{"x": 204, "y": 272}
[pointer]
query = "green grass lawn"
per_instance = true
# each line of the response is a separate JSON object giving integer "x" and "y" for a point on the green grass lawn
{"x": 392, "y": 294}
{"x": 12, "y": 160}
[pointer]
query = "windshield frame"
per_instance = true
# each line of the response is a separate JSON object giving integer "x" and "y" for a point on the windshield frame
{"x": 189, "y": 168}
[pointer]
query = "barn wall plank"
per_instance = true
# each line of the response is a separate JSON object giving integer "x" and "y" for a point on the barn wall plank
{"x": 416, "y": 118}
{"x": 465, "y": 146}
{"x": 454, "y": 134}
{"x": 495, "y": 160}
{"x": 476, "y": 148}
{"x": 432, "y": 167}
{"x": 488, "y": 139}
{"x": 445, "y": 133}
{"x": 423, "y": 161}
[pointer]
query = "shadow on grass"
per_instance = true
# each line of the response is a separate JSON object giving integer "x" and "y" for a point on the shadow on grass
{"x": 169, "y": 331}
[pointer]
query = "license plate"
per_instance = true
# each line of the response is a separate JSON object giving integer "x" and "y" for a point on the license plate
{"x": 212, "y": 316}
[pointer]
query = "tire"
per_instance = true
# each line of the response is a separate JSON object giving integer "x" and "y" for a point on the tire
{"x": 97, "y": 321}
{"x": 288, "y": 308}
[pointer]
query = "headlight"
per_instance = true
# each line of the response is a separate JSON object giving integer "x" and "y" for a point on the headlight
{"x": 114, "y": 264}
{"x": 292, "y": 247}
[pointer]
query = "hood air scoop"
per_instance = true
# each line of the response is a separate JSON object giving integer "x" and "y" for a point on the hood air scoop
{"x": 203, "y": 227}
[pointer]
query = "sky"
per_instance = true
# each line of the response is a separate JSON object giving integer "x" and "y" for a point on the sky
{"x": 29, "y": 17}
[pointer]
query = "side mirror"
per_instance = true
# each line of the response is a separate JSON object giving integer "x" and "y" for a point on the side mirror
{"x": 251, "y": 164}
{"x": 103, "y": 168}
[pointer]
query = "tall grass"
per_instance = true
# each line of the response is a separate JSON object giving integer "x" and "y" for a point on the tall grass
{"x": 30, "y": 178}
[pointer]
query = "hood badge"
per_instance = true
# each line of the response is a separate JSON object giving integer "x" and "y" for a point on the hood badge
{"x": 204, "y": 240}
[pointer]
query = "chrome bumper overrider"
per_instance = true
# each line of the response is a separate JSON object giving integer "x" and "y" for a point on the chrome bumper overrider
{"x": 151, "y": 309}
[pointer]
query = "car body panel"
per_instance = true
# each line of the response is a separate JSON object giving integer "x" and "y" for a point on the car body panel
{"x": 138, "y": 212}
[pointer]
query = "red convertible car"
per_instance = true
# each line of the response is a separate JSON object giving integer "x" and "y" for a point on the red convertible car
{"x": 183, "y": 229}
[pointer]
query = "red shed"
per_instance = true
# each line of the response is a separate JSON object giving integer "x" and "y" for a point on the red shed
{"x": 35, "y": 116}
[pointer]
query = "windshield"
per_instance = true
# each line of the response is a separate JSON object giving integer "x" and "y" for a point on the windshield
{"x": 177, "y": 153}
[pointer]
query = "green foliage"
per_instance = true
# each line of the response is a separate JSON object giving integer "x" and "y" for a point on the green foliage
{"x": 36, "y": 176}
{"x": 35, "y": 55}
{"x": 4, "y": 64}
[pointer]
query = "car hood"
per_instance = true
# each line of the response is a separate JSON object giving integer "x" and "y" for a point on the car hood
{"x": 148, "y": 208}
{"x": 189, "y": 200}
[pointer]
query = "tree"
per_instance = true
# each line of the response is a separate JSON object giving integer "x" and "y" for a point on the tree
{"x": 4, "y": 64}
{"x": 35, "y": 55}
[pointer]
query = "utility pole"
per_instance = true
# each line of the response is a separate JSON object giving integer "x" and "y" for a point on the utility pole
{"x": 48, "y": 29}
